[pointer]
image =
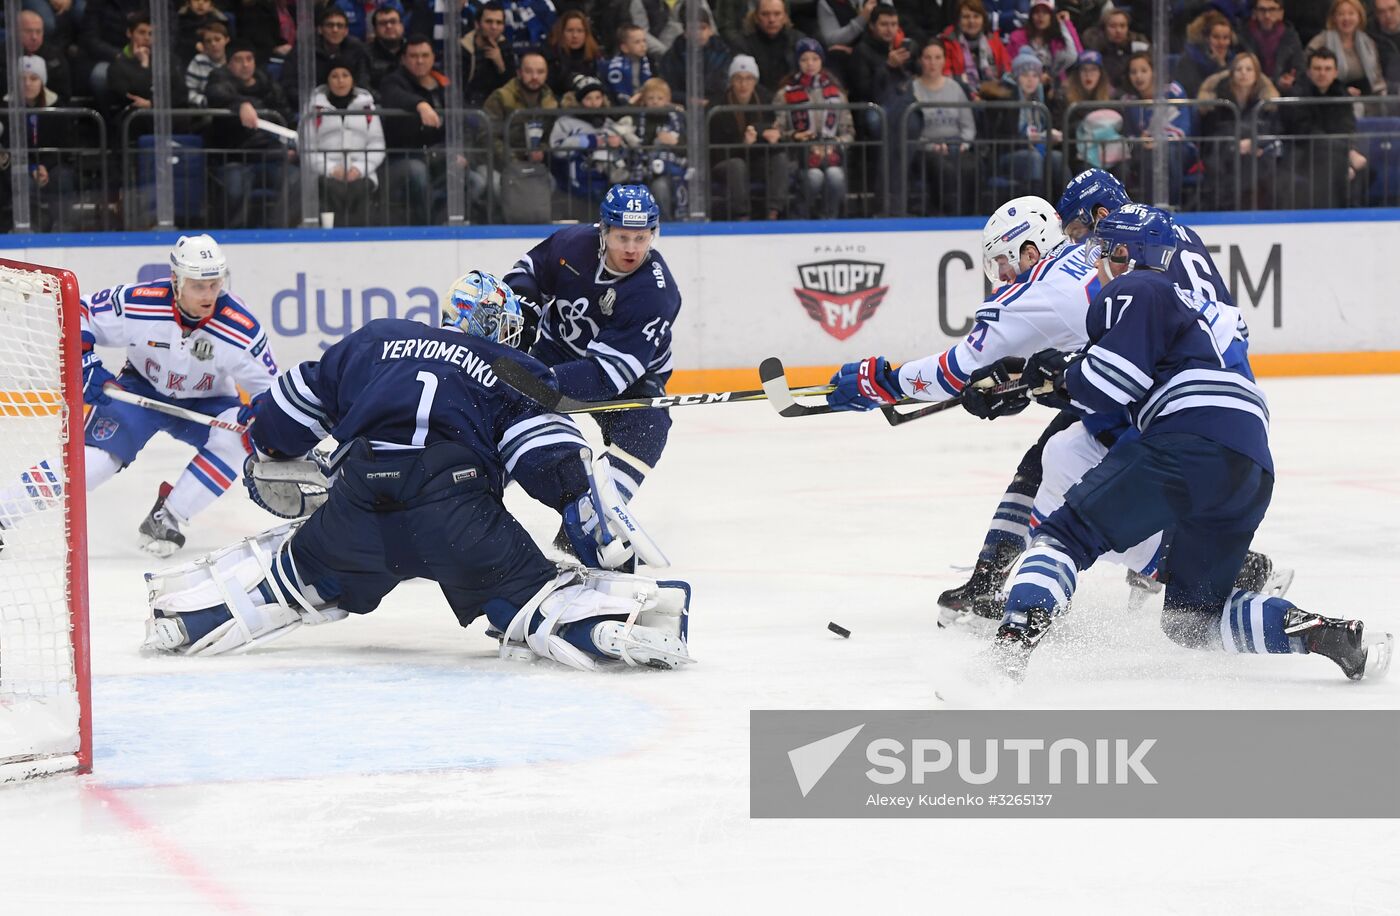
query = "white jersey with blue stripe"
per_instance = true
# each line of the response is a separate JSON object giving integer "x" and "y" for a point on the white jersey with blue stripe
{"x": 1045, "y": 307}
{"x": 1176, "y": 361}
{"x": 224, "y": 352}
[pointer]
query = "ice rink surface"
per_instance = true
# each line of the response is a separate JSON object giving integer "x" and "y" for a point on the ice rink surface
{"x": 393, "y": 763}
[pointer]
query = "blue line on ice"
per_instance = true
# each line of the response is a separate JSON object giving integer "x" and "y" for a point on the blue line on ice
{"x": 215, "y": 726}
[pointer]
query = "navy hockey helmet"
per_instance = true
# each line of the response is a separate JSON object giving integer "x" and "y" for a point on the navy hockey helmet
{"x": 480, "y": 305}
{"x": 1148, "y": 233}
{"x": 629, "y": 206}
{"x": 1086, "y": 192}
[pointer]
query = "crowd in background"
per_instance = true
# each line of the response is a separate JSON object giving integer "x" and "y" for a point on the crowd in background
{"x": 984, "y": 96}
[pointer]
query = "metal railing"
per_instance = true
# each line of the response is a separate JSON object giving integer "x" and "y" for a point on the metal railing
{"x": 788, "y": 164}
{"x": 1285, "y": 153}
{"x": 1302, "y": 161}
{"x": 964, "y": 178}
{"x": 68, "y": 187}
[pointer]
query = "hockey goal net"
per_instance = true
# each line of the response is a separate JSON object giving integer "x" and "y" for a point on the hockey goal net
{"x": 45, "y": 705}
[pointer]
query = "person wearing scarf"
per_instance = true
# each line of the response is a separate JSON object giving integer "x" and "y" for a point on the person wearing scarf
{"x": 976, "y": 57}
{"x": 54, "y": 180}
{"x": 1029, "y": 141}
{"x": 807, "y": 119}
{"x": 346, "y": 150}
{"x": 1275, "y": 42}
{"x": 590, "y": 151}
{"x": 1358, "y": 59}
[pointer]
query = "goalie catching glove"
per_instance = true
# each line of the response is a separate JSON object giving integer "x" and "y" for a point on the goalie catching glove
{"x": 865, "y": 385}
{"x": 287, "y": 489}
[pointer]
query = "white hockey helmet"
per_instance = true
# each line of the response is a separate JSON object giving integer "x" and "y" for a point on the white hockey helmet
{"x": 1025, "y": 219}
{"x": 197, "y": 257}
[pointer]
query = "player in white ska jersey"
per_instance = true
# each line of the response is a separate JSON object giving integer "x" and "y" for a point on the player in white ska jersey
{"x": 187, "y": 341}
{"x": 1047, "y": 282}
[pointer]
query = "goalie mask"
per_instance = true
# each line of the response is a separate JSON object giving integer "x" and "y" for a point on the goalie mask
{"x": 482, "y": 306}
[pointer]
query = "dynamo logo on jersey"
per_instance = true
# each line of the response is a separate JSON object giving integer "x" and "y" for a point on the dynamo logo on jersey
{"x": 841, "y": 295}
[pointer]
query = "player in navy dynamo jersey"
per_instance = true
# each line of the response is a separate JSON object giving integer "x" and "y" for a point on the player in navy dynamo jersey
{"x": 429, "y": 439}
{"x": 606, "y": 304}
{"x": 1089, "y": 196}
{"x": 1171, "y": 358}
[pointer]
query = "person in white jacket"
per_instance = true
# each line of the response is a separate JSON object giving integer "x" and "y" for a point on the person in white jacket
{"x": 346, "y": 149}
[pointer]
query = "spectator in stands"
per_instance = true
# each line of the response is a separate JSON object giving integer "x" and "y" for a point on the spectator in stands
{"x": 528, "y": 89}
{"x": 386, "y": 47}
{"x": 346, "y": 149}
{"x": 733, "y": 19}
{"x": 333, "y": 45}
{"x": 976, "y": 56}
{"x": 244, "y": 158}
{"x": 417, "y": 170}
{"x": 129, "y": 78}
{"x": 589, "y": 152}
{"x": 663, "y": 20}
{"x": 1053, "y": 38}
{"x": 824, "y": 131}
{"x": 1210, "y": 44}
{"x": 924, "y": 19}
{"x": 102, "y": 38}
{"x": 1324, "y": 160}
{"x": 1275, "y": 42}
{"x": 194, "y": 16}
{"x": 842, "y": 23}
{"x": 210, "y": 54}
{"x": 571, "y": 50}
{"x": 626, "y": 71}
{"x": 1178, "y": 125}
{"x": 32, "y": 43}
{"x": 883, "y": 60}
{"x": 1309, "y": 17}
{"x": 1084, "y": 14}
{"x": 1028, "y": 155}
{"x": 1358, "y": 58}
{"x": 527, "y": 23}
{"x": 54, "y": 179}
{"x": 659, "y": 161}
{"x": 742, "y": 147}
{"x": 772, "y": 42}
{"x": 271, "y": 28}
{"x": 1385, "y": 29}
{"x": 1227, "y": 162}
{"x": 714, "y": 62}
{"x": 944, "y": 163}
{"x": 488, "y": 63}
{"x": 1098, "y": 132}
{"x": 1113, "y": 39}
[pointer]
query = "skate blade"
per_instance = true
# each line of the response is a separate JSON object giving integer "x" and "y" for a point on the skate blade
{"x": 162, "y": 549}
{"x": 966, "y": 622}
{"x": 1378, "y": 656}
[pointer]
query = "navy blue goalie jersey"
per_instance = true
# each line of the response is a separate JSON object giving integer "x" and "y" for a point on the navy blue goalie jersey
{"x": 1175, "y": 360}
{"x": 601, "y": 333}
{"x": 401, "y": 385}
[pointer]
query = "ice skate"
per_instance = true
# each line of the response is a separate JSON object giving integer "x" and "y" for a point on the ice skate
{"x": 1010, "y": 653}
{"x": 978, "y": 602}
{"x": 160, "y": 532}
{"x": 641, "y": 646}
{"x": 1343, "y": 641}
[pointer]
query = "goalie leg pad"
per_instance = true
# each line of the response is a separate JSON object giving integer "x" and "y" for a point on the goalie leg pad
{"x": 233, "y": 599}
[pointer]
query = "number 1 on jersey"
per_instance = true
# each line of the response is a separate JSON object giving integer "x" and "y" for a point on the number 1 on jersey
{"x": 425, "y": 407}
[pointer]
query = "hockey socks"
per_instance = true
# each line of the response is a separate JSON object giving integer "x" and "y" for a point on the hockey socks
{"x": 1254, "y": 623}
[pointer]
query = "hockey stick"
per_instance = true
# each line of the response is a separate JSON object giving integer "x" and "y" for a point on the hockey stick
{"x": 521, "y": 379}
{"x": 895, "y": 418}
{"x": 121, "y": 394}
{"x": 774, "y": 379}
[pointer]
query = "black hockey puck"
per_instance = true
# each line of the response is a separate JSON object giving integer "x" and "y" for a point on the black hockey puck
{"x": 839, "y": 630}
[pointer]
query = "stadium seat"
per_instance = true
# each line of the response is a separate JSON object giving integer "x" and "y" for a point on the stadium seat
{"x": 1379, "y": 142}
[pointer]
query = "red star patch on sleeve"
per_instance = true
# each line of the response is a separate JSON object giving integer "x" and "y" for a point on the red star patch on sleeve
{"x": 919, "y": 384}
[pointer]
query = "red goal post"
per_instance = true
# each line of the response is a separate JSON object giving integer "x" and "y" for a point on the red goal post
{"x": 45, "y": 678}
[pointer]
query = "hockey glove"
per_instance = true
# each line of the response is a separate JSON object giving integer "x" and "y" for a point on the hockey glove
{"x": 287, "y": 489}
{"x": 981, "y": 399}
{"x": 865, "y": 385}
{"x": 95, "y": 375}
{"x": 1044, "y": 377}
